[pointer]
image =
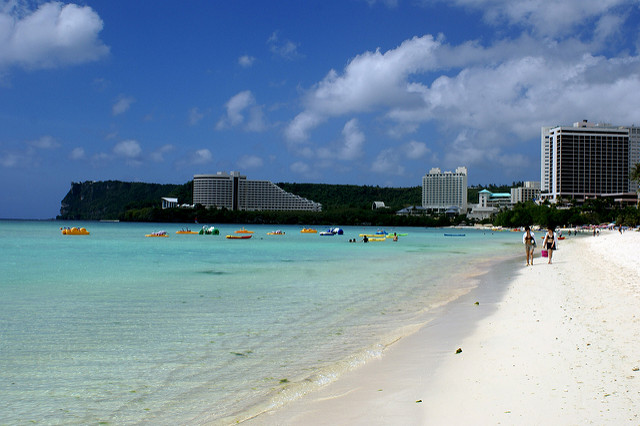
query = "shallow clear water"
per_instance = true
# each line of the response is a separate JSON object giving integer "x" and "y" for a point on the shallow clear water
{"x": 118, "y": 328}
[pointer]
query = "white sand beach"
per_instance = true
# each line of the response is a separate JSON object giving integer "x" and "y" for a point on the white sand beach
{"x": 560, "y": 346}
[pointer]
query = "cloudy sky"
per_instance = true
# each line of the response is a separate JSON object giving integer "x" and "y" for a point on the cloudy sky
{"x": 366, "y": 92}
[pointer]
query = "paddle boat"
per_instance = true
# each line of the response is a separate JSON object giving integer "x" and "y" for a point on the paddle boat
{"x": 308, "y": 231}
{"x": 276, "y": 232}
{"x": 158, "y": 234}
{"x": 328, "y": 232}
{"x": 243, "y": 231}
{"x": 74, "y": 231}
{"x": 209, "y": 230}
{"x": 239, "y": 237}
{"x": 186, "y": 231}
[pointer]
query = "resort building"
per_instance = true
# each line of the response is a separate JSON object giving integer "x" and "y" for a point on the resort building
{"x": 442, "y": 191}
{"x": 490, "y": 203}
{"x": 589, "y": 160}
{"x": 235, "y": 192}
{"x": 168, "y": 203}
{"x": 530, "y": 191}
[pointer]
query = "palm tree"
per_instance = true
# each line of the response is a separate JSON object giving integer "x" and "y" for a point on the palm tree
{"x": 635, "y": 176}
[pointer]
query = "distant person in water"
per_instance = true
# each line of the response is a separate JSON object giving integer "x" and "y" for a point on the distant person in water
{"x": 550, "y": 243}
{"x": 529, "y": 241}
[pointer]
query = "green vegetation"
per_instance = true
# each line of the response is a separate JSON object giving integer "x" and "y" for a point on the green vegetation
{"x": 355, "y": 197}
{"x": 594, "y": 211}
{"x": 111, "y": 199}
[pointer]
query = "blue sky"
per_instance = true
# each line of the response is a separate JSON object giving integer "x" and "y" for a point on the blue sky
{"x": 359, "y": 92}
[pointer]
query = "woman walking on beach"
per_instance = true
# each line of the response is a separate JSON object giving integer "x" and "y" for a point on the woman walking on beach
{"x": 529, "y": 241}
{"x": 550, "y": 242}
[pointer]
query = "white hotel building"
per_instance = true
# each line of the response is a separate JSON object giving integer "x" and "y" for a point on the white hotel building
{"x": 235, "y": 192}
{"x": 443, "y": 190}
{"x": 588, "y": 160}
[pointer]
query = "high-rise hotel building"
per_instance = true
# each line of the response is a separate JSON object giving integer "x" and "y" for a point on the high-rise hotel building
{"x": 235, "y": 192}
{"x": 588, "y": 160}
{"x": 440, "y": 191}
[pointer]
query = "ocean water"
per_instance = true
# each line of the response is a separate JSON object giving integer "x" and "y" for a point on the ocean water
{"x": 115, "y": 328}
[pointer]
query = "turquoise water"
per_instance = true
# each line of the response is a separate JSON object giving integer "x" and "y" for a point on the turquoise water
{"x": 118, "y": 328}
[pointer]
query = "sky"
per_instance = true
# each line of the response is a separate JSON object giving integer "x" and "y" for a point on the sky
{"x": 363, "y": 92}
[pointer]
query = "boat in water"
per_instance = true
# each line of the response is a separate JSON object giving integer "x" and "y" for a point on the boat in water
{"x": 209, "y": 230}
{"x": 158, "y": 234}
{"x": 276, "y": 232}
{"x": 239, "y": 237}
{"x": 243, "y": 231}
{"x": 186, "y": 232}
{"x": 74, "y": 231}
{"x": 308, "y": 231}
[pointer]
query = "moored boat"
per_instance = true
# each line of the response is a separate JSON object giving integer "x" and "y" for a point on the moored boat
{"x": 239, "y": 237}
{"x": 158, "y": 234}
{"x": 74, "y": 231}
{"x": 186, "y": 231}
{"x": 209, "y": 230}
{"x": 276, "y": 232}
{"x": 309, "y": 231}
{"x": 243, "y": 231}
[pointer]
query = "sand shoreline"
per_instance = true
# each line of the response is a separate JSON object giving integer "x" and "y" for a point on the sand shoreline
{"x": 561, "y": 345}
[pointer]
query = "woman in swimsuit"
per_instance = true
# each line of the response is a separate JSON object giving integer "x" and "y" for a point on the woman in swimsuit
{"x": 550, "y": 242}
{"x": 529, "y": 241}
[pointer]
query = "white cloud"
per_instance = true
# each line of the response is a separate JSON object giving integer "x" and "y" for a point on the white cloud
{"x": 158, "y": 155}
{"x": 388, "y": 162}
{"x": 45, "y": 142}
{"x": 284, "y": 48}
{"x": 129, "y": 149}
{"x": 54, "y": 35}
{"x": 77, "y": 154}
{"x": 201, "y": 156}
{"x": 415, "y": 150}
{"x": 544, "y": 17}
{"x": 353, "y": 141}
{"x": 11, "y": 160}
{"x": 301, "y": 168}
{"x": 250, "y": 162}
{"x": 298, "y": 129}
{"x": 243, "y": 110}
{"x": 490, "y": 100}
{"x": 122, "y": 105}
{"x": 371, "y": 80}
{"x": 246, "y": 61}
{"x": 389, "y": 3}
{"x": 195, "y": 115}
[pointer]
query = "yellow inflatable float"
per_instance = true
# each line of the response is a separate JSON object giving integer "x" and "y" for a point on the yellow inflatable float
{"x": 74, "y": 231}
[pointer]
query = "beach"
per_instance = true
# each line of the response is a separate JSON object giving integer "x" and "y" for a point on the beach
{"x": 559, "y": 344}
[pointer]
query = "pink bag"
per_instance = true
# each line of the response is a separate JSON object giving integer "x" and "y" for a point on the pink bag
{"x": 544, "y": 253}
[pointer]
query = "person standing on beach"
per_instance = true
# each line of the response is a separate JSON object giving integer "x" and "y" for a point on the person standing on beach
{"x": 529, "y": 241}
{"x": 550, "y": 242}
